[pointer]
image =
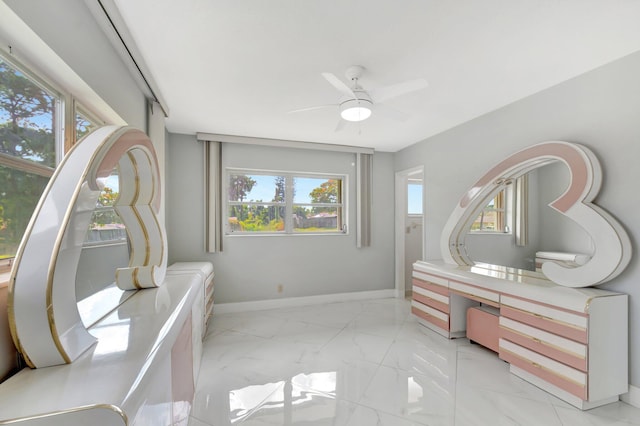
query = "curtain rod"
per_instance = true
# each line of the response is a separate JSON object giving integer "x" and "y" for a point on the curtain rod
{"x": 247, "y": 140}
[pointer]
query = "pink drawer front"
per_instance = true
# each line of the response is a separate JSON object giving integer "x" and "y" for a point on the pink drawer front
{"x": 431, "y": 286}
{"x": 444, "y": 325}
{"x": 539, "y": 346}
{"x": 551, "y": 371}
{"x": 431, "y": 302}
{"x": 482, "y": 328}
{"x": 562, "y": 329}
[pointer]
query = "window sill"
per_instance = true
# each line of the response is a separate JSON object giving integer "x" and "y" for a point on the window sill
{"x": 507, "y": 234}
{"x": 271, "y": 234}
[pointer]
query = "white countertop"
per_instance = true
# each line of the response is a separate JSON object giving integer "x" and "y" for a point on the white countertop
{"x": 515, "y": 282}
{"x": 130, "y": 339}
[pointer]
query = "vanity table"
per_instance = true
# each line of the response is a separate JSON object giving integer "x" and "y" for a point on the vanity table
{"x": 553, "y": 326}
{"x": 570, "y": 342}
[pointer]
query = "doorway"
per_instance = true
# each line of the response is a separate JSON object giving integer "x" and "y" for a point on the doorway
{"x": 409, "y": 226}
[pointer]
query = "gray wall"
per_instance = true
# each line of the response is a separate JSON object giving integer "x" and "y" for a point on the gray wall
{"x": 557, "y": 232}
{"x": 251, "y": 267}
{"x": 598, "y": 109}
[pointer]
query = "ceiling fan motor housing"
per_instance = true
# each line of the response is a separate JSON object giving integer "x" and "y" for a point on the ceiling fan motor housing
{"x": 356, "y": 109}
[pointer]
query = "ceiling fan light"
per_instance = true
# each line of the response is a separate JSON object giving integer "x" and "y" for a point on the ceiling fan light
{"x": 355, "y": 110}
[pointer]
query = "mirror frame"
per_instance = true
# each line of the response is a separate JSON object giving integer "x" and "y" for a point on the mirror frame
{"x": 612, "y": 244}
{"x": 43, "y": 313}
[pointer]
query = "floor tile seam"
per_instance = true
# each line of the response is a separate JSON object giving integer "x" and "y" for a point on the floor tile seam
{"x": 555, "y": 410}
{"x": 372, "y": 334}
{"x": 385, "y": 355}
{"x": 319, "y": 324}
{"x": 322, "y": 348}
{"x": 249, "y": 334}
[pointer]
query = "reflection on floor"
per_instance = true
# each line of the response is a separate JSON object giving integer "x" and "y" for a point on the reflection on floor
{"x": 365, "y": 364}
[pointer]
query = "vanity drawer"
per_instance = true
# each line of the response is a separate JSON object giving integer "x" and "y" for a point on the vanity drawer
{"x": 431, "y": 315}
{"x": 437, "y": 288}
{"x": 564, "y": 350}
{"x": 431, "y": 298}
{"x": 476, "y": 293}
{"x": 433, "y": 279}
{"x": 570, "y": 325}
{"x": 554, "y": 372}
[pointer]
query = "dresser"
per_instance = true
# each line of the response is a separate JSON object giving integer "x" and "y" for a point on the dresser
{"x": 141, "y": 371}
{"x": 571, "y": 342}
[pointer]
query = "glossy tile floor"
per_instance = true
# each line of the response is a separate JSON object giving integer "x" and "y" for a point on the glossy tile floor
{"x": 365, "y": 364}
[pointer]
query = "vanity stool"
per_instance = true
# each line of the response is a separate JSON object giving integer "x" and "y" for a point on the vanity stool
{"x": 483, "y": 326}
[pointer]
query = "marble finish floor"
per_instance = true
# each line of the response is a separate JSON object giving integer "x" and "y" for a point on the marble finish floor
{"x": 365, "y": 363}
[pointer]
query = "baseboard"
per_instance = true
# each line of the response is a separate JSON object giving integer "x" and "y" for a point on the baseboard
{"x": 288, "y": 302}
{"x": 632, "y": 397}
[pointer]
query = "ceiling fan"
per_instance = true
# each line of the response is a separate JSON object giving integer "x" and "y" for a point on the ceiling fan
{"x": 357, "y": 104}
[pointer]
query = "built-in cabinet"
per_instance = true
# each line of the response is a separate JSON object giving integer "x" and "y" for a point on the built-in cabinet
{"x": 569, "y": 342}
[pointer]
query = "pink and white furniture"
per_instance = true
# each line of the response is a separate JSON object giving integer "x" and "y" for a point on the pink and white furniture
{"x": 553, "y": 329}
{"x": 569, "y": 342}
{"x": 136, "y": 365}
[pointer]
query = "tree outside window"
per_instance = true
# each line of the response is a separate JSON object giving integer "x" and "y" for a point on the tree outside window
{"x": 27, "y": 151}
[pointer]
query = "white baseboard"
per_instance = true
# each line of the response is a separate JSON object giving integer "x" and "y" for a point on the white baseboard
{"x": 288, "y": 302}
{"x": 632, "y": 397}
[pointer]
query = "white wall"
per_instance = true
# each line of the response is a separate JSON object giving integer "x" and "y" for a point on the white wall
{"x": 599, "y": 109}
{"x": 251, "y": 267}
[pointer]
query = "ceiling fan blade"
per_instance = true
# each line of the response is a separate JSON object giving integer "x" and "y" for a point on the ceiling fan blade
{"x": 340, "y": 126}
{"x": 382, "y": 94}
{"x": 312, "y": 108}
{"x": 392, "y": 113}
{"x": 338, "y": 84}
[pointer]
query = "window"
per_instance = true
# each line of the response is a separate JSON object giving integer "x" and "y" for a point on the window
{"x": 496, "y": 215}
{"x": 414, "y": 197}
{"x": 32, "y": 143}
{"x": 84, "y": 124}
{"x": 30, "y": 138}
{"x": 284, "y": 203}
{"x": 106, "y": 225}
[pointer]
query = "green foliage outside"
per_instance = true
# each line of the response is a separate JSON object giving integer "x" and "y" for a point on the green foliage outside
{"x": 27, "y": 114}
{"x": 270, "y": 218}
{"x": 104, "y": 214}
{"x": 327, "y": 192}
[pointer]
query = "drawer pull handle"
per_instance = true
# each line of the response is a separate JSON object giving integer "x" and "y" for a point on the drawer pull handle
{"x": 536, "y": 365}
{"x": 535, "y": 339}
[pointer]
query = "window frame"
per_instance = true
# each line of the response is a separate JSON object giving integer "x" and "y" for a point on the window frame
{"x": 66, "y": 106}
{"x": 504, "y": 209}
{"x": 288, "y": 203}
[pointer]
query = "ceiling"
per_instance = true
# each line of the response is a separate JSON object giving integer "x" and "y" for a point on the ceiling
{"x": 238, "y": 67}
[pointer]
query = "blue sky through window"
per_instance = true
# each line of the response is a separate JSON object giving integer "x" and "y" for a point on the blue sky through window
{"x": 414, "y": 196}
{"x": 265, "y": 187}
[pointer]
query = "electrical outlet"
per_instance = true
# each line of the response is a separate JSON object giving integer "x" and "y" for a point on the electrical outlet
{"x": 280, "y": 287}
